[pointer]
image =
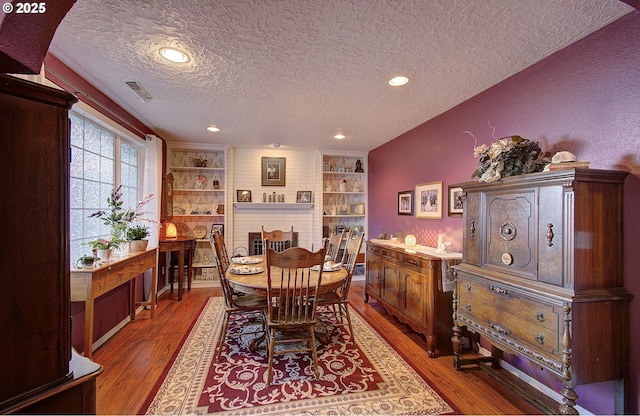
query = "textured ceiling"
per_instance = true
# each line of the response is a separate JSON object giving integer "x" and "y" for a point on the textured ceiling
{"x": 299, "y": 71}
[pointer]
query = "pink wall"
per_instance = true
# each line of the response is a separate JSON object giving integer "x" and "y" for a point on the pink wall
{"x": 585, "y": 99}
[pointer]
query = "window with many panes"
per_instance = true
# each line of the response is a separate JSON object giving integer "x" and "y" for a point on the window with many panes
{"x": 101, "y": 160}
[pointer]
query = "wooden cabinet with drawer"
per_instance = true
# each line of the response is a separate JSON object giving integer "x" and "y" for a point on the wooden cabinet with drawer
{"x": 541, "y": 275}
{"x": 408, "y": 285}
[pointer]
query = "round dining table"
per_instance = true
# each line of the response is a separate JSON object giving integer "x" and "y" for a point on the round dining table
{"x": 252, "y": 281}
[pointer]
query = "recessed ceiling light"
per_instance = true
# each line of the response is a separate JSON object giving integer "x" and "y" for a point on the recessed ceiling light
{"x": 339, "y": 136}
{"x": 275, "y": 145}
{"x": 398, "y": 81}
{"x": 213, "y": 128}
{"x": 174, "y": 55}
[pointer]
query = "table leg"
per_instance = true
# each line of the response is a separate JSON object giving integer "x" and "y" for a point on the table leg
{"x": 154, "y": 288}
{"x": 88, "y": 327}
{"x": 133, "y": 299}
{"x": 180, "y": 273}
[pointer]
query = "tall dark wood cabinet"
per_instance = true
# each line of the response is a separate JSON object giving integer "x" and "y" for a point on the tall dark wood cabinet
{"x": 34, "y": 248}
{"x": 541, "y": 275}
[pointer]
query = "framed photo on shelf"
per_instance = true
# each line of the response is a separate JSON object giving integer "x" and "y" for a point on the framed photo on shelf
{"x": 243, "y": 195}
{"x": 326, "y": 167}
{"x": 356, "y": 208}
{"x": 405, "y": 203}
{"x": 303, "y": 196}
{"x": 428, "y": 200}
{"x": 455, "y": 201}
{"x": 273, "y": 171}
{"x": 215, "y": 227}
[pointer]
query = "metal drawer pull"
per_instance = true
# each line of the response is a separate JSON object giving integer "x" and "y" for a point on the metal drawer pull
{"x": 539, "y": 339}
{"x": 499, "y": 290}
{"x": 468, "y": 287}
{"x": 472, "y": 229}
{"x": 414, "y": 262}
{"x": 501, "y": 329}
{"x": 469, "y": 307}
{"x": 540, "y": 317}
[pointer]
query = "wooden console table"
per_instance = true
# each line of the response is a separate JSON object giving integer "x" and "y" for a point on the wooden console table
{"x": 90, "y": 283}
{"x": 181, "y": 245}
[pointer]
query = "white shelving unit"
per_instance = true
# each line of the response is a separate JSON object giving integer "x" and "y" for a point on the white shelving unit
{"x": 199, "y": 199}
{"x": 344, "y": 191}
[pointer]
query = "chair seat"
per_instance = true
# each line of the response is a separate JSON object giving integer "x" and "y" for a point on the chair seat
{"x": 329, "y": 297}
{"x": 249, "y": 301}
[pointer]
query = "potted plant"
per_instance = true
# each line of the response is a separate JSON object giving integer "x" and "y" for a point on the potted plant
{"x": 136, "y": 235}
{"x": 103, "y": 247}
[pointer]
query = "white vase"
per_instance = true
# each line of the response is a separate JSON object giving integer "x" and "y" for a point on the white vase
{"x": 104, "y": 255}
{"x": 342, "y": 187}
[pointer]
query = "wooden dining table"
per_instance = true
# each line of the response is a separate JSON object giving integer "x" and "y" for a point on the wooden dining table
{"x": 256, "y": 282}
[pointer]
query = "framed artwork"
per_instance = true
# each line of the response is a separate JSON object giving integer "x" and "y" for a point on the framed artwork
{"x": 243, "y": 195}
{"x": 303, "y": 196}
{"x": 455, "y": 201}
{"x": 356, "y": 208}
{"x": 326, "y": 167}
{"x": 219, "y": 227}
{"x": 273, "y": 171}
{"x": 428, "y": 200}
{"x": 405, "y": 203}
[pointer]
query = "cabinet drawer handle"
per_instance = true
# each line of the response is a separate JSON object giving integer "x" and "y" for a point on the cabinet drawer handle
{"x": 468, "y": 307}
{"x": 539, "y": 339}
{"x": 472, "y": 229}
{"x": 549, "y": 234}
{"x": 500, "y": 290}
{"x": 468, "y": 287}
{"x": 414, "y": 262}
{"x": 540, "y": 317}
{"x": 501, "y": 329}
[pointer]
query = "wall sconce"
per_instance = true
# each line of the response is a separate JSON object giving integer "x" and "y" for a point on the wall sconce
{"x": 410, "y": 240}
{"x": 172, "y": 231}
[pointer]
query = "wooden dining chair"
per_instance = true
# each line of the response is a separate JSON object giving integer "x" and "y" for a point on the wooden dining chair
{"x": 291, "y": 313}
{"x": 335, "y": 244}
{"x": 335, "y": 304}
{"x": 234, "y": 304}
{"x": 278, "y": 240}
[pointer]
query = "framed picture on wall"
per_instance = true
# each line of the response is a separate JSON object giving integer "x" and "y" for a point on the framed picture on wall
{"x": 428, "y": 200}
{"x": 273, "y": 171}
{"x": 405, "y": 203}
{"x": 455, "y": 201}
{"x": 303, "y": 196}
{"x": 243, "y": 195}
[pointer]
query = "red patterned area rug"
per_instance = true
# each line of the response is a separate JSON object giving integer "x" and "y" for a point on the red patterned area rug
{"x": 361, "y": 378}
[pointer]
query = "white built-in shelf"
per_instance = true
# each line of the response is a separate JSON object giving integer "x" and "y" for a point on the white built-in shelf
{"x": 342, "y": 173}
{"x": 273, "y": 205}
{"x": 344, "y": 193}
{"x": 194, "y": 168}
{"x": 198, "y": 215}
{"x": 197, "y": 190}
{"x": 345, "y": 215}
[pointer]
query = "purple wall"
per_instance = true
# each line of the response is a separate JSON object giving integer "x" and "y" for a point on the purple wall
{"x": 585, "y": 99}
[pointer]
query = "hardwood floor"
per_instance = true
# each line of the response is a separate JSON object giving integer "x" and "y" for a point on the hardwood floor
{"x": 135, "y": 357}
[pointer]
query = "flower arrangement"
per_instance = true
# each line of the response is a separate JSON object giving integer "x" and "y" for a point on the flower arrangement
{"x": 118, "y": 218}
{"x": 508, "y": 156}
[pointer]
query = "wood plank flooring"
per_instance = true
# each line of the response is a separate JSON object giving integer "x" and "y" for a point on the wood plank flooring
{"x": 135, "y": 357}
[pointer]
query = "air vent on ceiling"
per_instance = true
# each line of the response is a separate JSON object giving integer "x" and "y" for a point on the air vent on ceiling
{"x": 139, "y": 91}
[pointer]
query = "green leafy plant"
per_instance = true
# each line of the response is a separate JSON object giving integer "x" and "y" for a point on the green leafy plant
{"x": 104, "y": 244}
{"x": 508, "y": 156}
{"x": 137, "y": 232}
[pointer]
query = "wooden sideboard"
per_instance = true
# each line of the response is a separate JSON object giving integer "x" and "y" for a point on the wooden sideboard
{"x": 542, "y": 276}
{"x": 90, "y": 283}
{"x": 408, "y": 283}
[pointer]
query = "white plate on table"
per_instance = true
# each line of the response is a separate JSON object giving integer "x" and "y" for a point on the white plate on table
{"x": 328, "y": 266}
{"x": 246, "y": 260}
{"x": 246, "y": 270}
